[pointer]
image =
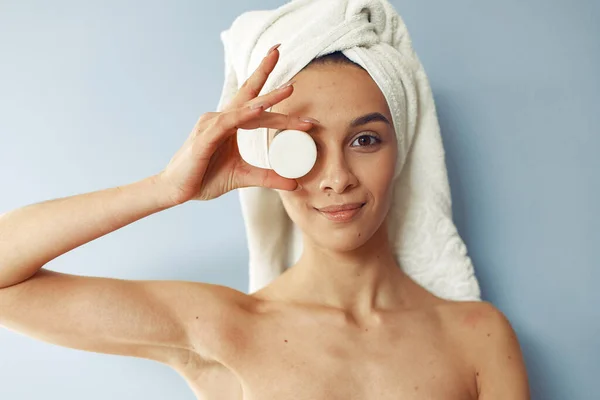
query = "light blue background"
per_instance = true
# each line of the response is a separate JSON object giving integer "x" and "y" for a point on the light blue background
{"x": 97, "y": 94}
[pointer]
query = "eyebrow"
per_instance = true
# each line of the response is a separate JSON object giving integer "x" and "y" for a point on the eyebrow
{"x": 362, "y": 120}
{"x": 371, "y": 117}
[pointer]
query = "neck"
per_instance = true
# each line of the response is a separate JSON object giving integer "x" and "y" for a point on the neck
{"x": 358, "y": 281}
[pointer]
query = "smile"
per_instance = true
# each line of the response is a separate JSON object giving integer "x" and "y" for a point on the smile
{"x": 343, "y": 215}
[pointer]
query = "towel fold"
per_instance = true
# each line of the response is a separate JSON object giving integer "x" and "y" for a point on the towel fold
{"x": 372, "y": 34}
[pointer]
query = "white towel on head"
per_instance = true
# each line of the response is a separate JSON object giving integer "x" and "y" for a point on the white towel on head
{"x": 372, "y": 34}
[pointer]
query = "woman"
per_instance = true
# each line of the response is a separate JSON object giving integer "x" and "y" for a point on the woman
{"x": 344, "y": 322}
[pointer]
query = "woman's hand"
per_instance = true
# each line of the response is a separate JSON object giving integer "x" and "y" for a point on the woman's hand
{"x": 209, "y": 164}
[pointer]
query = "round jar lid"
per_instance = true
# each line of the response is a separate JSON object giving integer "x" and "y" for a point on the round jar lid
{"x": 292, "y": 153}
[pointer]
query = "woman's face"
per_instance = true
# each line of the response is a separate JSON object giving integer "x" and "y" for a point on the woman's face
{"x": 356, "y": 157}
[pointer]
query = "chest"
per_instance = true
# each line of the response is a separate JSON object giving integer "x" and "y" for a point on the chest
{"x": 326, "y": 363}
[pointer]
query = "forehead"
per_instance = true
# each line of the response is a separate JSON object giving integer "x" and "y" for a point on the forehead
{"x": 334, "y": 94}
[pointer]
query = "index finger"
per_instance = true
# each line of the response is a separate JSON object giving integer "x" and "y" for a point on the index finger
{"x": 254, "y": 84}
{"x": 277, "y": 121}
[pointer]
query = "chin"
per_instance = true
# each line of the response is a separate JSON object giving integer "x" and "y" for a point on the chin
{"x": 343, "y": 237}
{"x": 341, "y": 242}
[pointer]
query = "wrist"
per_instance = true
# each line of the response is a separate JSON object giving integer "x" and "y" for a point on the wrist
{"x": 164, "y": 195}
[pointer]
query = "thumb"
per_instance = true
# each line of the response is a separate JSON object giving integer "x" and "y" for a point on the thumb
{"x": 254, "y": 176}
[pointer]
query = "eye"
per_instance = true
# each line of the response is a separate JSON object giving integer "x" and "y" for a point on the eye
{"x": 367, "y": 141}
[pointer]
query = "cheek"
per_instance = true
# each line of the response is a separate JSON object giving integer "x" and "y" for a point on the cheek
{"x": 292, "y": 203}
{"x": 376, "y": 173}
{"x": 298, "y": 209}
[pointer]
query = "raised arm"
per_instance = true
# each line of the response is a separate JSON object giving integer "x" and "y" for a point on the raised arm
{"x": 33, "y": 235}
{"x": 158, "y": 320}
{"x": 165, "y": 321}
{"x": 148, "y": 319}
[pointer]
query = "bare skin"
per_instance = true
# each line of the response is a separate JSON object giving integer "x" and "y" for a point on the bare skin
{"x": 418, "y": 347}
{"x": 311, "y": 352}
{"x": 343, "y": 323}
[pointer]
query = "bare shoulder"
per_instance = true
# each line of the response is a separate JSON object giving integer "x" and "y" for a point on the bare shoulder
{"x": 487, "y": 340}
{"x": 473, "y": 317}
{"x": 479, "y": 323}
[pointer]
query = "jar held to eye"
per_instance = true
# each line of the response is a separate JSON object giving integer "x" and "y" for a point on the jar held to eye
{"x": 292, "y": 153}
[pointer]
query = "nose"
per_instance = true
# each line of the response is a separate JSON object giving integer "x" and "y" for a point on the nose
{"x": 336, "y": 174}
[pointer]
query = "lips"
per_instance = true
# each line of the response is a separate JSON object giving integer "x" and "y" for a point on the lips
{"x": 341, "y": 213}
{"x": 340, "y": 207}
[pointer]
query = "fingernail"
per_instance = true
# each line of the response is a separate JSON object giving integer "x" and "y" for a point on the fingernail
{"x": 298, "y": 188}
{"x": 310, "y": 120}
{"x": 290, "y": 83}
{"x": 272, "y": 49}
